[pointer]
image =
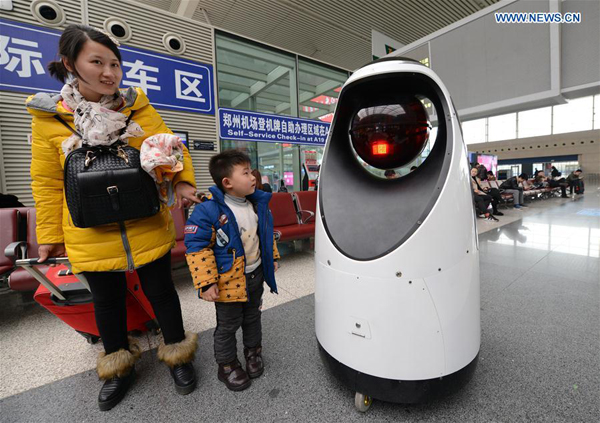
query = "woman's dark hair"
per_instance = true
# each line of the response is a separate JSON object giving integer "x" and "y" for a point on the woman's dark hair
{"x": 258, "y": 176}
{"x": 70, "y": 45}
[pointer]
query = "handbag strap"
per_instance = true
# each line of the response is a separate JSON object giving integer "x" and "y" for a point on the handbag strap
{"x": 58, "y": 118}
{"x": 61, "y": 120}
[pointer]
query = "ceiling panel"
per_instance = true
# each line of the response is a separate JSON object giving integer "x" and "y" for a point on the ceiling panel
{"x": 336, "y": 31}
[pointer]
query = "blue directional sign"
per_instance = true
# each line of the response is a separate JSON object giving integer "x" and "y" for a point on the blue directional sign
{"x": 169, "y": 82}
{"x": 252, "y": 126}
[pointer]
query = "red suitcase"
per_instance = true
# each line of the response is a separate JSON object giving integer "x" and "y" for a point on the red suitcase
{"x": 67, "y": 296}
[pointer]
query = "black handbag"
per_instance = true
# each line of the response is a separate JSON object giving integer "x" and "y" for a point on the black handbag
{"x": 106, "y": 184}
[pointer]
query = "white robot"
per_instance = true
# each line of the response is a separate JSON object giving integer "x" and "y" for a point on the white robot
{"x": 397, "y": 264}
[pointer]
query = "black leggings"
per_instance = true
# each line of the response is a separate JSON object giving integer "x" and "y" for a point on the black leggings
{"x": 109, "y": 291}
{"x": 482, "y": 202}
{"x": 496, "y": 198}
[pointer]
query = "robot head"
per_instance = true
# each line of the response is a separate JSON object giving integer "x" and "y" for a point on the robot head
{"x": 387, "y": 157}
{"x": 390, "y": 136}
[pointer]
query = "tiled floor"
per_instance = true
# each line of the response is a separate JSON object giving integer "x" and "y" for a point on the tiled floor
{"x": 538, "y": 361}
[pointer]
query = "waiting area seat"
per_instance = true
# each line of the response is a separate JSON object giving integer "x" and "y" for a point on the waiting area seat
{"x": 286, "y": 222}
{"x": 306, "y": 202}
{"x": 9, "y": 233}
{"x": 18, "y": 239}
{"x": 528, "y": 190}
{"x": 20, "y": 279}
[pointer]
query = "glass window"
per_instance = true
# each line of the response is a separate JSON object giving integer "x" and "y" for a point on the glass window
{"x": 508, "y": 171}
{"x": 503, "y": 127}
{"x": 247, "y": 147}
{"x": 534, "y": 123}
{"x": 319, "y": 88}
{"x": 254, "y": 78}
{"x": 574, "y": 116}
{"x": 566, "y": 167}
{"x": 474, "y": 131}
{"x": 269, "y": 163}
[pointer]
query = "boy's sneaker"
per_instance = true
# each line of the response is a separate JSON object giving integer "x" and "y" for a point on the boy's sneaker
{"x": 254, "y": 362}
{"x": 234, "y": 376}
{"x": 517, "y": 206}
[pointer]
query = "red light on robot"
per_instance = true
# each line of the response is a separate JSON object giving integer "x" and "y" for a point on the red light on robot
{"x": 380, "y": 148}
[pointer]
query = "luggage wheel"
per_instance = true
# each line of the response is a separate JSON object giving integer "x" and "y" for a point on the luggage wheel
{"x": 153, "y": 327}
{"x": 91, "y": 339}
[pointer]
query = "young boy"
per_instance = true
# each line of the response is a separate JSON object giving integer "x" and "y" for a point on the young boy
{"x": 231, "y": 251}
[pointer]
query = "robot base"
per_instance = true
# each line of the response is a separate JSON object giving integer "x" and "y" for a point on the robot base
{"x": 398, "y": 391}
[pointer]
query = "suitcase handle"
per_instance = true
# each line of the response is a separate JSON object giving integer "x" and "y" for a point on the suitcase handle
{"x": 49, "y": 260}
{"x": 30, "y": 266}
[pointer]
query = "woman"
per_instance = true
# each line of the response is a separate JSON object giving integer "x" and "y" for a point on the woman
{"x": 259, "y": 184}
{"x": 492, "y": 194}
{"x": 482, "y": 200}
{"x": 90, "y": 64}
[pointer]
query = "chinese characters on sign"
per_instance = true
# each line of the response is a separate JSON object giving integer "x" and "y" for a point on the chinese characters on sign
{"x": 13, "y": 56}
{"x": 250, "y": 126}
{"x": 169, "y": 82}
{"x": 139, "y": 73}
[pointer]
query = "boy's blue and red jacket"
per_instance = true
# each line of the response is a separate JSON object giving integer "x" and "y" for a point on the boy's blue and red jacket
{"x": 215, "y": 253}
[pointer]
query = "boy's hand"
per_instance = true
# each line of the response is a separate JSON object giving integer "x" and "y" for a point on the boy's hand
{"x": 276, "y": 264}
{"x": 211, "y": 294}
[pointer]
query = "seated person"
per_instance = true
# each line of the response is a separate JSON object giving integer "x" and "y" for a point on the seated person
{"x": 555, "y": 173}
{"x": 511, "y": 186}
{"x": 482, "y": 172}
{"x": 575, "y": 181}
{"x": 493, "y": 195}
{"x": 559, "y": 183}
{"x": 481, "y": 199}
{"x": 540, "y": 180}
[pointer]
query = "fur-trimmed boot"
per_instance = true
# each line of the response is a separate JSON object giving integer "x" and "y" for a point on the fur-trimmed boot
{"x": 179, "y": 358}
{"x": 117, "y": 369}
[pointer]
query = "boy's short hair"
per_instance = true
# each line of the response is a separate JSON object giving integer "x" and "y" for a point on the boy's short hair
{"x": 221, "y": 166}
{"x": 524, "y": 176}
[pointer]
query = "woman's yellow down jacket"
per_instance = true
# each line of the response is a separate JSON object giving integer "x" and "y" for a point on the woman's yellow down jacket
{"x": 102, "y": 248}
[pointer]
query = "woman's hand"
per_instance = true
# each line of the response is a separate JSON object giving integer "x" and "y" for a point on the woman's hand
{"x": 50, "y": 250}
{"x": 185, "y": 194}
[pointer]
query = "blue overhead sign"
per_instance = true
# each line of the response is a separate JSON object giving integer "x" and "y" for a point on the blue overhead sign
{"x": 169, "y": 82}
{"x": 251, "y": 126}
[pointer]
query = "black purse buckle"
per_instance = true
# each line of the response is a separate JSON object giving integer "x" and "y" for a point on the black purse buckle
{"x": 113, "y": 191}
